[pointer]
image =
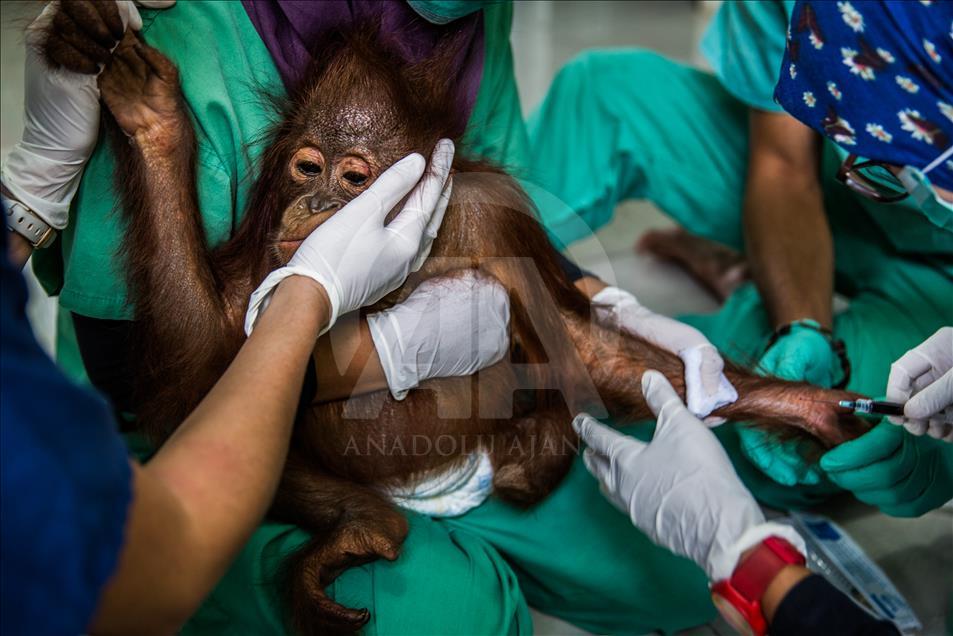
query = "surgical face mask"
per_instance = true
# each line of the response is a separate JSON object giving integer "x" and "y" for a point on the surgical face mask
{"x": 881, "y": 182}
{"x": 922, "y": 192}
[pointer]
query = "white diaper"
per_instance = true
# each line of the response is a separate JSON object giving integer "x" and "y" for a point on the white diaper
{"x": 452, "y": 493}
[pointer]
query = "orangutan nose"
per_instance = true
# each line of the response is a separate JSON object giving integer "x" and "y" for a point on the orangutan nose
{"x": 320, "y": 204}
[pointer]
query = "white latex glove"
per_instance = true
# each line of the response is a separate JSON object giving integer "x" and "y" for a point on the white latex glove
{"x": 61, "y": 124}
{"x": 447, "y": 327}
{"x": 680, "y": 489}
{"x": 706, "y": 386}
{"x": 354, "y": 255}
{"x": 923, "y": 378}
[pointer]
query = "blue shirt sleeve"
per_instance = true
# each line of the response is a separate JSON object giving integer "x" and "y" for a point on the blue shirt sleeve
{"x": 745, "y": 46}
{"x": 65, "y": 483}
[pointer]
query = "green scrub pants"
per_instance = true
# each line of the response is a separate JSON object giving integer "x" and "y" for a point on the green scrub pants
{"x": 632, "y": 124}
{"x": 573, "y": 556}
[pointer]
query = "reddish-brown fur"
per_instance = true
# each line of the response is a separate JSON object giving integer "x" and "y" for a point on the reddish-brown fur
{"x": 190, "y": 302}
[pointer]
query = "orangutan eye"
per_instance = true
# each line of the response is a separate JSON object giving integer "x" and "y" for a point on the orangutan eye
{"x": 308, "y": 168}
{"x": 355, "y": 178}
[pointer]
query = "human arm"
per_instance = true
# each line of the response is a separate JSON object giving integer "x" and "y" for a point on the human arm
{"x": 799, "y": 602}
{"x": 900, "y": 470}
{"x": 449, "y": 326}
{"x": 197, "y": 501}
{"x": 902, "y": 474}
{"x": 787, "y": 239}
{"x": 790, "y": 251}
{"x": 681, "y": 490}
{"x": 65, "y": 47}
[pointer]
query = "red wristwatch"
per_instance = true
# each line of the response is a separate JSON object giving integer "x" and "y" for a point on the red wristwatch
{"x": 738, "y": 598}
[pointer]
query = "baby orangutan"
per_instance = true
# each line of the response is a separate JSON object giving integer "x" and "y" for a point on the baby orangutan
{"x": 358, "y": 110}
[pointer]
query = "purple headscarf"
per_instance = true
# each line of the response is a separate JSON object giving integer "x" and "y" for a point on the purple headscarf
{"x": 288, "y": 27}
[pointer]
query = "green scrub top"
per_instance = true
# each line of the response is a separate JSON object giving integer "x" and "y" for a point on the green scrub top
{"x": 225, "y": 70}
{"x": 745, "y": 45}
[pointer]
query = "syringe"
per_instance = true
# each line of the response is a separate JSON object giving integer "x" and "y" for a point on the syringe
{"x": 872, "y": 407}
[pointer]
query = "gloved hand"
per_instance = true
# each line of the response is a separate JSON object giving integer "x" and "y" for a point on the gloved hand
{"x": 706, "y": 386}
{"x": 354, "y": 255}
{"x": 903, "y": 475}
{"x": 803, "y": 354}
{"x": 62, "y": 106}
{"x": 923, "y": 378}
{"x": 680, "y": 489}
{"x": 446, "y": 327}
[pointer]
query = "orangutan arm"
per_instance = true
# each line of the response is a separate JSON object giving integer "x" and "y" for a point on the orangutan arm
{"x": 347, "y": 363}
{"x": 616, "y": 362}
{"x": 186, "y": 317}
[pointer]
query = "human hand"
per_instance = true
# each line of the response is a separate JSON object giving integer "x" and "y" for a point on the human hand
{"x": 923, "y": 378}
{"x": 903, "y": 475}
{"x": 802, "y": 355}
{"x": 354, "y": 255}
{"x": 66, "y": 46}
{"x": 706, "y": 387}
{"x": 451, "y": 326}
{"x": 680, "y": 489}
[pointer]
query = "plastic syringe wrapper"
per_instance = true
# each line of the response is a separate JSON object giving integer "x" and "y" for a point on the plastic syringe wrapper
{"x": 832, "y": 553}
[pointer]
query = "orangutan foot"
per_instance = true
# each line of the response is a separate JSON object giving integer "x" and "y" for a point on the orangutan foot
{"x": 317, "y": 565}
{"x": 719, "y": 269}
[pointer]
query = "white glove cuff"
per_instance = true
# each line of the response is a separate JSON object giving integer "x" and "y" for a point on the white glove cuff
{"x": 385, "y": 332}
{"x": 43, "y": 184}
{"x": 611, "y": 297}
{"x": 699, "y": 401}
{"x": 261, "y": 297}
{"x": 723, "y": 564}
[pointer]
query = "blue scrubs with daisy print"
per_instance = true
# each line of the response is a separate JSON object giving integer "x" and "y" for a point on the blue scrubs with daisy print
{"x": 876, "y": 78}
{"x": 631, "y": 124}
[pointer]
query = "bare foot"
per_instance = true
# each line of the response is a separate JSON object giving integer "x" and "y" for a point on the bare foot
{"x": 719, "y": 269}
{"x": 322, "y": 560}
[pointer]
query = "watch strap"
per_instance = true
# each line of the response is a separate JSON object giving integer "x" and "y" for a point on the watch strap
{"x": 753, "y": 575}
{"x": 738, "y": 598}
{"x": 25, "y": 222}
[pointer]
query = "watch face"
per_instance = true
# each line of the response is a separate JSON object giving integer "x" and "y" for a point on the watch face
{"x": 731, "y": 615}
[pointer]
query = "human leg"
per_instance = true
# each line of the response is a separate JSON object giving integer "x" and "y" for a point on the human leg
{"x": 628, "y": 124}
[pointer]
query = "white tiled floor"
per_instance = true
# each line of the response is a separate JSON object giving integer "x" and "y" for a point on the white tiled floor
{"x": 917, "y": 554}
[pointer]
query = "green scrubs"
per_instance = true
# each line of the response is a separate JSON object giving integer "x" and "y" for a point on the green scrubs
{"x": 626, "y": 124}
{"x": 573, "y": 556}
